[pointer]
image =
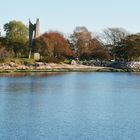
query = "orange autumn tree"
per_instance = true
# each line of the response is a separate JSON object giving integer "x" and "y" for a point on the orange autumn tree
{"x": 52, "y": 46}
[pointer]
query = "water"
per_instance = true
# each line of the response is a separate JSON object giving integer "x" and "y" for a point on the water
{"x": 70, "y": 106}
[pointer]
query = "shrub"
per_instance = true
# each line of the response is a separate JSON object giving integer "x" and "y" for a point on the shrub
{"x": 4, "y": 54}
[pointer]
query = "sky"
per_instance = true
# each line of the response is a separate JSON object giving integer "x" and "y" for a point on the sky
{"x": 65, "y": 15}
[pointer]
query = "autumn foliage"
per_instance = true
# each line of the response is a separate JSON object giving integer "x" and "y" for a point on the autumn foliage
{"x": 86, "y": 46}
{"x": 111, "y": 44}
{"x": 52, "y": 45}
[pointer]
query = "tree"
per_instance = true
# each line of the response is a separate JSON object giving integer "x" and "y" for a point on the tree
{"x": 86, "y": 46}
{"x": 2, "y": 42}
{"x": 112, "y": 36}
{"x": 16, "y": 36}
{"x": 79, "y": 40}
{"x": 128, "y": 49}
{"x": 52, "y": 45}
{"x": 95, "y": 50}
{"x": 4, "y": 54}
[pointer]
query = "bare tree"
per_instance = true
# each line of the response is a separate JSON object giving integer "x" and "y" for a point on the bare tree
{"x": 111, "y": 36}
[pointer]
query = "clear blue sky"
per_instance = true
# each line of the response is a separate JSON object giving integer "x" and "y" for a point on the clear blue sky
{"x": 64, "y": 15}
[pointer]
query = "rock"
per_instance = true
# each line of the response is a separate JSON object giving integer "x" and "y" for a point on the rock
{"x": 12, "y": 64}
{"x": 134, "y": 65}
{"x": 73, "y": 62}
{"x": 6, "y": 67}
{"x": 22, "y": 67}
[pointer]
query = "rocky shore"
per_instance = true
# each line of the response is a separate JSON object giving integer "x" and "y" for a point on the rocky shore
{"x": 125, "y": 66}
{"x": 52, "y": 67}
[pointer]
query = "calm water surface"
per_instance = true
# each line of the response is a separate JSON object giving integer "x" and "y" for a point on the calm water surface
{"x": 70, "y": 106}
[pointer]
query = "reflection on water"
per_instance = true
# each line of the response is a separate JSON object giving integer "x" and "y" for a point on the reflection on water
{"x": 36, "y": 74}
{"x": 70, "y": 106}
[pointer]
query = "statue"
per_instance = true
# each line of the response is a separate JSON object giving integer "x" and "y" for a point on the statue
{"x": 34, "y": 30}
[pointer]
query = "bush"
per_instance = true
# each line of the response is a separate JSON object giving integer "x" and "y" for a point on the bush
{"x": 52, "y": 59}
{"x": 22, "y": 61}
{"x": 4, "y": 54}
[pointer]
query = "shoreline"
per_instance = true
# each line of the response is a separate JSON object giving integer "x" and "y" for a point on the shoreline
{"x": 69, "y": 70}
{"x": 53, "y": 67}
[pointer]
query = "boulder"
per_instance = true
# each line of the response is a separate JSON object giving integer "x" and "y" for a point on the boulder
{"x": 73, "y": 62}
